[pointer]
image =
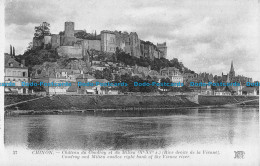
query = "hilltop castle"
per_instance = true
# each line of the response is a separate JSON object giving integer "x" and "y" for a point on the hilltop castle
{"x": 68, "y": 45}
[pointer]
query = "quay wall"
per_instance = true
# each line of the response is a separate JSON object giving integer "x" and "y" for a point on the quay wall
{"x": 61, "y": 102}
{"x": 83, "y": 102}
{"x": 222, "y": 100}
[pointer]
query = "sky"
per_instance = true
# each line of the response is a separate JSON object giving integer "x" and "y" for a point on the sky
{"x": 205, "y": 35}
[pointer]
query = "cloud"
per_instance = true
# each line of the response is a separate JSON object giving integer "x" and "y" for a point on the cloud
{"x": 28, "y": 11}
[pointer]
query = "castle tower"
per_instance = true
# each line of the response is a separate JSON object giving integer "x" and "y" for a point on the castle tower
{"x": 232, "y": 72}
{"x": 69, "y": 29}
{"x": 134, "y": 45}
{"x": 163, "y": 48}
{"x": 108, "y": 41}
{"x": 68, "y": 39}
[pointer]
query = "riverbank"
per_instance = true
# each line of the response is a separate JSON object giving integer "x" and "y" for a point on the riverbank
{"x": 83, "y": 102}
{"x": 223, "y": 100}
{"x": 79, "y": 103}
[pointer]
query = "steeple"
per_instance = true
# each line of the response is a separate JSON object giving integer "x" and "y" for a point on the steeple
{"x": 232, "y": 68}
{"x": 231, "y": 72}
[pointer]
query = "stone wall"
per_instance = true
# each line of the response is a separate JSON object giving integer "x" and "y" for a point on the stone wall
{"x": 108, "y": 41}
{"x": 222, "y": 100}
{"x": 47, "y": 40}
{"x": 151, "y": 51}
{"x": 67, "y": 41}
{"x": 126, "y": 39}
{"x": 163, "y": 48}
{"x": 83, "y": 102}
{"x": 37, "y": 42}
{"x": 135, "y": 45}
{"x": 156, "y": 54}
{"x": 55, "y": 41}
{"x": 70, "y": 51}
{"x": 92, "y": 44}
{"x": 69, "y": 29}
{"x": 123, "y": 41}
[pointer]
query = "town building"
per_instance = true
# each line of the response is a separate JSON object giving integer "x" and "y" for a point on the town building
{"x": 172, "y": 73}
{"x": 17, "y": 73}
{"x": 250, "y": 91}
{"x": 52, "y": 72}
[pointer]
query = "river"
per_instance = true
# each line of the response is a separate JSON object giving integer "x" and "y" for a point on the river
{"x": 153, "y": 129}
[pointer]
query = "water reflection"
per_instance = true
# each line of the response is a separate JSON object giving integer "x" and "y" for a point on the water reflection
{"x": 134, "y": 129}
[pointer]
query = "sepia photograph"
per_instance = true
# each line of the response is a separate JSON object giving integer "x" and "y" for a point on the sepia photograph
{"x": 127, "y": 82}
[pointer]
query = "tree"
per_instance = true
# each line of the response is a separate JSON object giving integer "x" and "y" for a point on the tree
{"x": 98, "y": 74}
{"x": 42, "y": 30}
{"x": 117, "y": 78}
{"x": 107, "y": 74}
{"x": 126, "y": 79}
{"x": 30, "y": 46}
{"x": 37, "y": 88}
{"x": 165, "y": 81}
{"x": 13, "y": 51}
{"x": 185, "y": 88}
{"x": 85, "y": 35}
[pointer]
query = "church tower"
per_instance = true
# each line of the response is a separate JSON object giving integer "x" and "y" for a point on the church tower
{"x": 231, "y": 72}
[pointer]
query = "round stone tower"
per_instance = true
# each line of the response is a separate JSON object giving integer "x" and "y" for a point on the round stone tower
{"x": 69, "y": 29}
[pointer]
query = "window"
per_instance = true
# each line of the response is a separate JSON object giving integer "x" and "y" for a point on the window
{"x": 24, "y": 74}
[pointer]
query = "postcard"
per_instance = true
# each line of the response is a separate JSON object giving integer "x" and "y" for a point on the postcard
{"x": 126, "y": 82}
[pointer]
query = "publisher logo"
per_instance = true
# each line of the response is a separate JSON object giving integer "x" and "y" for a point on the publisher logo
{"x": 239, "y": 154}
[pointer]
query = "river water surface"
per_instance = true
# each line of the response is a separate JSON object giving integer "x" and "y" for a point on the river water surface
{"x": 135, "y": 129}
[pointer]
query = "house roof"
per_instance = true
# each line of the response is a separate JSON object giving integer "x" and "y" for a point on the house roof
{"x": 222, "y": 89}
{"x": 249, "y": 89}
{"x": 99, "y": 80}
{"x": 9, "y": 59}
{"x": 73, "y": 87}
{"x": 94, "y": 83}
{"x": 85, "y": 76}
{"x": 170, "y": 68}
